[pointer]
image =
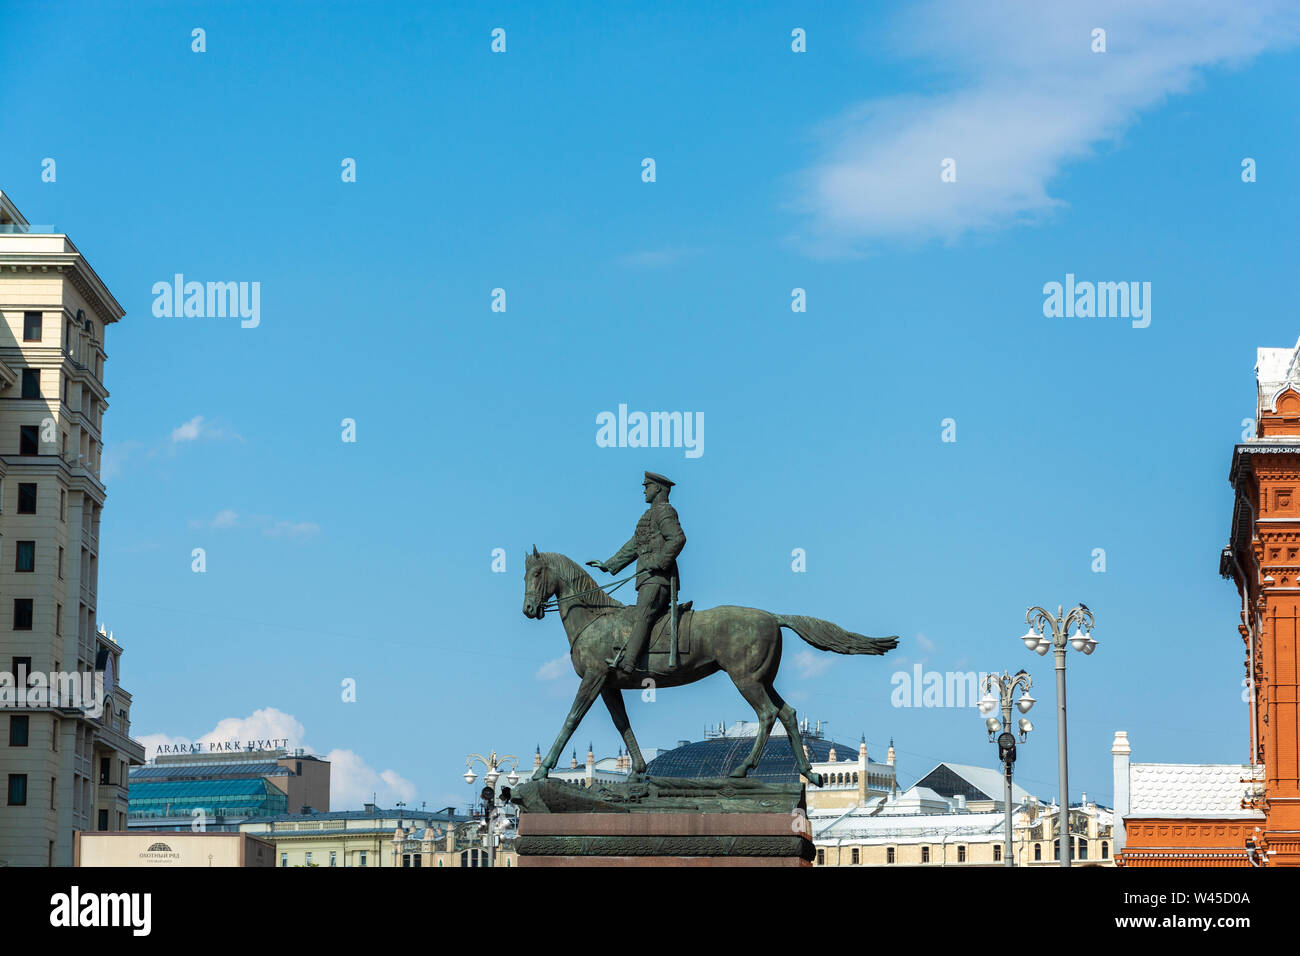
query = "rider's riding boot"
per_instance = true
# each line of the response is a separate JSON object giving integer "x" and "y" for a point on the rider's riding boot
{"x": 635, "y": 644}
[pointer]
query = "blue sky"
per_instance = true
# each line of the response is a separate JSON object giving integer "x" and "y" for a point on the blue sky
{"x": 476, "y": 429}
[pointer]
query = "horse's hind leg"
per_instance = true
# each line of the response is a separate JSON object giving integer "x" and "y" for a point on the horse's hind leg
{"x": 614, "y": 701}
{"x": 791, "y": 721}
{"x": 766, "y": 710}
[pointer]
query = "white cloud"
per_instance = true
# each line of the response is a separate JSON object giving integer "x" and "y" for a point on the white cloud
{"x": 1025, "y": 95}
{"x": 924, "y": 643}
{"x": 290, "y": 529}
{"x": 352, "y": 780}
{"x": 199, "y": 427}
{"x": 653, "y": 258}
{"x": 225, "y": 519}
{"x": 811, "y": 665}
{"x": 189, "y": 431}
{"x": 555, "y": 669}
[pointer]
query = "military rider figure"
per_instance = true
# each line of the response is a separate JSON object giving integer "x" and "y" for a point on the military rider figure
{"x": 655, "y": 545}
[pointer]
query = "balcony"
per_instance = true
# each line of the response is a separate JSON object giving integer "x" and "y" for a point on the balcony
{"x": 108, "y": 796}
{"x": 106, "y": 735}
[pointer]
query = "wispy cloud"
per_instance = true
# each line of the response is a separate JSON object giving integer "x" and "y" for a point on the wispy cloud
{"x": 1026, "y": 95}
{"x": 655, "y": 258}
{"x": 269, "y": 526}
{"x": 555, "y": 669}
{"x": 197, "y": 428}
{"x": 809, "y": 664}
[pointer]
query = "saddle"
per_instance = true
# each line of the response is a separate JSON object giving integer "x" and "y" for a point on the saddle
{"x": 654, "y": 659}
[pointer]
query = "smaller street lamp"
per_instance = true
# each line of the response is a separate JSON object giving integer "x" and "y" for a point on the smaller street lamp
{"x": 1006, "y": 686}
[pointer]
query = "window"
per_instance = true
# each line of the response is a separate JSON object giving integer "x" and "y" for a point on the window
{"x": 284, "y": 859}
{"x": 925, "y": 854}
{"x": 363, "y": 857}
{"x": 22, "y": 614}
{"x": 22, "y": 670}
{"x": 855, "y": 856}
{"x": 63, "y": 504}
{"x": 29, "y": 440}
{"x": 997, "y": 853}
{"x": 1056, "y": 849}
{"x": 889, "y": 855}
{"x": 60, "y": 562}
{"x": 54, "y": 735}
{"x": 54, "y": 788}
{"x": 333, "y": 858}
{"x": 32, "y": 326}
{"x": 103, "y": 819}
{"x": 25, "y": 556}
{"x": 18, "y": 729}
{"x": 961, "y": 854}
{"x": 31, "y": 383}
{"x": 821, "y": 859}
{"x": 1083, "y": 849}
{"x": 308, "y": 858}
{"x": 58, "y": 618}
{"x": 18, "y": 790}
{"x": 1105, "y": 850}
{"x": 105, "y": 769}
{"x": 27, "y": 498}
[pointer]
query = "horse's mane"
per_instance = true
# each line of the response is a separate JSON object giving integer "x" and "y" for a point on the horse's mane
{"x": 569, "y": 571}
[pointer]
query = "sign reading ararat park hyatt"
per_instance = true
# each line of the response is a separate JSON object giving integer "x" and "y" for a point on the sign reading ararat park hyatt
{"x": 223, "y": 746}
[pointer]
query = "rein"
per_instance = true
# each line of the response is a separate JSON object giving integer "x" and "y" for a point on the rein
{"x": 554, "y": 604}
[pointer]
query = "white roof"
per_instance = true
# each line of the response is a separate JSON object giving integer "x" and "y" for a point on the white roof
{"x": 1191, "y": 790}
{"x": 982, "y": 778}
{"x": 1274, "y": 369}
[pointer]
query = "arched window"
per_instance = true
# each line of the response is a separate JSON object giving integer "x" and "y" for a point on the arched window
{"x": 1056, "y": 849}
{"x": 855, "y": 780}
{"x": 1083, "y": 849}
{"x": 1038, "y": 851}
{"x": 1105, "y": 850}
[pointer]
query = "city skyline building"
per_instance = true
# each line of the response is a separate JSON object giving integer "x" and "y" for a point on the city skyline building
{"x": 63, "y": 761}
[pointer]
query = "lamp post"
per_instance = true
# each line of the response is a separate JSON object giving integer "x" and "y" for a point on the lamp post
{"x": 1040, "y": 620}
{"x": 491, "y": 811}
{"x": 1006, "y": 686}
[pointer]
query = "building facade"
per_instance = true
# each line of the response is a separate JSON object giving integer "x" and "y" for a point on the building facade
{"x": 376, "y": 837}
{"x": 64, "y": 764}
{"x": 222, "y": 790}
{"x": 1243, "y": 814}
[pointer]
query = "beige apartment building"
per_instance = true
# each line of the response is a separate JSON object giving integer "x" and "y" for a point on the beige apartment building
{"x": 63, "y": 764}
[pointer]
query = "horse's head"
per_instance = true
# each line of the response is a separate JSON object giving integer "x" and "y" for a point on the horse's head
{"x": 540, "y": 585}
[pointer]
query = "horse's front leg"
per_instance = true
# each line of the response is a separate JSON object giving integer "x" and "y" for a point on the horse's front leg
{"x": 588, "y": 691}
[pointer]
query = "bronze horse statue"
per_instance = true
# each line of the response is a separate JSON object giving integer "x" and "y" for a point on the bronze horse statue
{"x": 743, "y": 641}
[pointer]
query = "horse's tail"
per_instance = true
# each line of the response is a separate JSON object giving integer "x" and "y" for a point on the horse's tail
{"x": 831, "y": 637}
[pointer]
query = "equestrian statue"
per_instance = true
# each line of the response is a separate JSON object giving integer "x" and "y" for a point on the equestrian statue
{"x": 658, "y": 643}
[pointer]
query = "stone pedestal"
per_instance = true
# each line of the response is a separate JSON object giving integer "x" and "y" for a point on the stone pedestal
{"x": 664, "y": 822}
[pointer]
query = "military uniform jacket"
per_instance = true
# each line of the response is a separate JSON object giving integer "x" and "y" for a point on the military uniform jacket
{"x": 655, "y": 545}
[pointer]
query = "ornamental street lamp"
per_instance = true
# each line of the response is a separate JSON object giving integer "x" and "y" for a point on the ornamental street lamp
{"x": 494, "y": 815}
{"x": 1039, "y": 620}
{"x": 1006, "y": 685}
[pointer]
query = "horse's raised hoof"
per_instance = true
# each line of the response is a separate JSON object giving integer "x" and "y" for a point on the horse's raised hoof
{"x": 741, "y": 771}
{"x": 539, "y": 774}
{"x": 815, "y": 779}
